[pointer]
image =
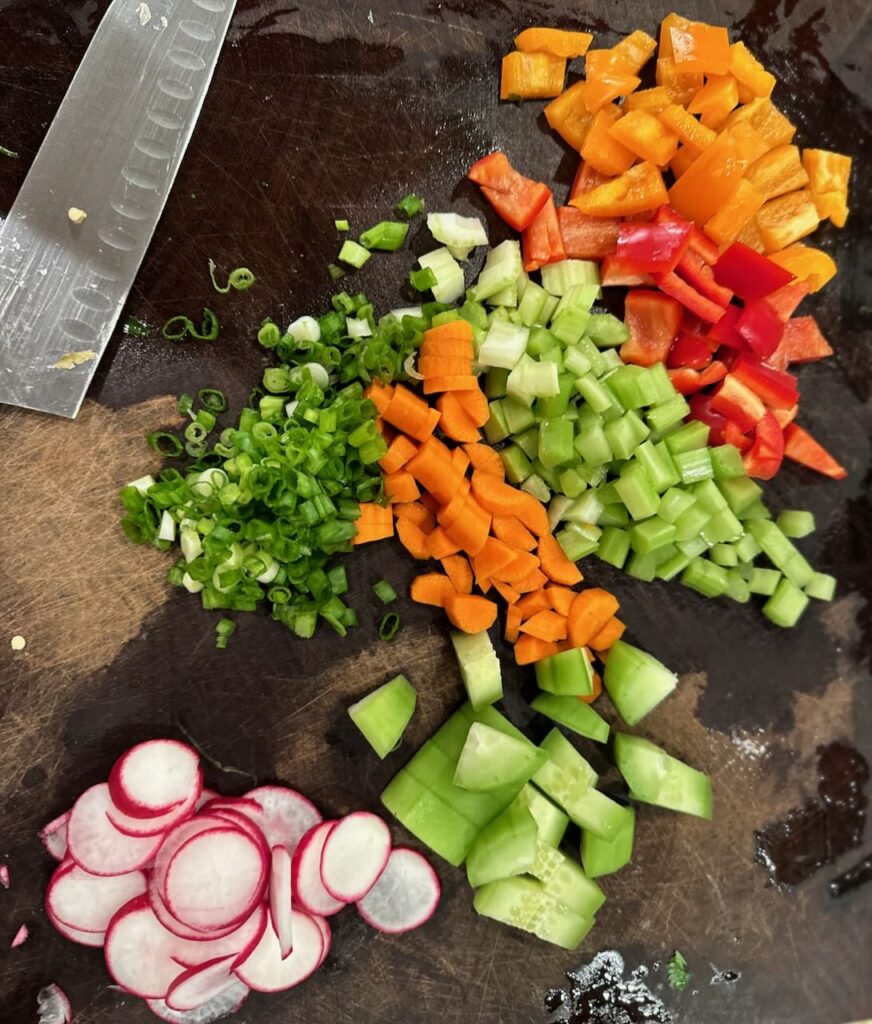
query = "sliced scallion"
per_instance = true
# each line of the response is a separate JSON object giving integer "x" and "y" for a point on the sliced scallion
{"x": 384, "y": 592}
{"x": 389, "y": 626}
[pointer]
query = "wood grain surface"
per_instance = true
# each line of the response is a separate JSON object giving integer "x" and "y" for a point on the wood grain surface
{"x": 326, "y": 109}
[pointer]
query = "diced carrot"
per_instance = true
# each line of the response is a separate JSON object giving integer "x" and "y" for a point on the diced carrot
{"x": 475, "y": 405}
{"x": 413, "y": 539}
{"x": 470, "y": 613}
{"x": 506, "y": 591}
{"x": 442, "y": 348}
{"x": 612, "y": 631}
{"x": 432, "y": 588}
{"x": 431, "y": 502}
{"x": 453, "y": 330}
{"x": 450, "y": 513}
{"x": 590, "y": 611}
{"x": 484, "y": 458}
{"x": 440, "y": 545}
{"x": 512, "y": 531}
{"x": 555, "y": 564}
{"x": 471, "y": 529}
{"x": 408, "y": 413}
{"x": 589, "y": 698}
{"x": 419, "y": 514}
{"x": 460, "y": 459}
{"x": 401, "y": 487}
{"x": 459, "y": 572}
{"x": 379, "y": 394}
{"x": 546, "y": 625}
{"x": 513, "y": 624}
{"x": 497, "y": 497}
{"x": 484, "y": 584}
{"x": 529, "y": 649}
{"x": 434, "y": 471}
{"x": 534, "y": 516}
{"x": 374, "y": 523}
{"x": 533, "y": 603}
{"x": 453, "y": 420}
{"x": 535, "y": 581}
{"x": 385, "y": 429}
{"x": 457, "y": 382}
{"x": 400, "y": 450}
{"x": 443, "y": 366}
{"x": 519, "y": 569}
{"x": 493, "y": 557}
{"x": 561, "y": 598}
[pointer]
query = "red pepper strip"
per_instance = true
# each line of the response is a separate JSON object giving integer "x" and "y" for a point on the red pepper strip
{"x": 690, "y": 298}
{"x": 724, "y": 331}
{"x": 700, "y": 245}
{"x": 613, "y": 272}
{"x": 542, "y": 241}
{"x": 699, "y": 275}
{"x": 689, "y": 350}
{"x": 584, "y": 237}
{"x": 785, "y": 416}
{"x": 688, "y": 382}
{"x": 701, "y": 409}
{"x": 764, "y": 459}
{"x": 777, "y": 388}
{"x": 801, "y": 447}
{"x": 802, "y": 342}
{"x": 761, "y": 327}
{"x": 786, "y": 299}
{"x": 515, "y": 198}
{"x": 747, "y": 273}
{"x": 653, "y": 320}
{"x": 738, "y": 403}
{"x": 733, "y": 435}
{"x": 653, "y": 248}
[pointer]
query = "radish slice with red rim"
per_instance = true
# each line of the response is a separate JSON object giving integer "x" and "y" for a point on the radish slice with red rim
{"x": 154, "y": 777}
{"x": 280, "y": 908}
{"x": 139, "y": 951}
{"x": 96, "y": 845}
{"x": 266, "y": 971}
{"x": 405, "y": 896}
{"x": 174, "y": 925}
{"x": 243, "y": 823}
{"x": 177, "y": 838}
{"x": 216, "y": 878}
{"x": 355, "y": 854}
{"x": 205, "y": 796}
{"x": 227, "y": 1002}
{"x": 326, "y": 935}
{"x": 155, "y": 825}
{"x": 95, "y": 939}
{"x": 52, "y": 1006}
{"x": 199, "y": 985}
{"x": 240, "y": 942}
{"x": 242, "y": 804}
{"x": 308, "y": 889}
{"x": 88, "y": 902}
{"x": 286, "y": 815}
{"x": 54, "y": 836}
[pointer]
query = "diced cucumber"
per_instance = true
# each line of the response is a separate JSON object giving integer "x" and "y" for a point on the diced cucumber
{"x": 564, "y": 879}
{"x": 491, "y": 759}
{"x": 568, "y": 672}
{"x": 655, "y": 777}
{"x": 550, "y": 820}
{"x": 636, "y": 681}
{"x": 573, "y": 714}
{"x": 604, "y": 857}
{"x": 383, "y": 715}
{"x": 438, "y": 826}
{"x": 505, "y": 847}
{"x": 479, "y": 668}
{"x": 523, "y": 903}
{"x": 562, "y": 753}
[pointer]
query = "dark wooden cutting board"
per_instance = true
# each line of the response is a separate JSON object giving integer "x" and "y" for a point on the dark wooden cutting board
{"x": 329, "y": 109}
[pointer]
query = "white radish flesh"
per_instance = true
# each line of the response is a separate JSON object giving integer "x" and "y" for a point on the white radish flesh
{"x": 174, "y": 925}
{"x": 52, "y": 1006}
{"x": 139, "y": 951}
{"x": 280, "y": 898}
{"x": 198, "y": 985}
{"x": 224, "y": 1004}
{"x": 88, "y": 902}
{"x": 266, "y": 971}
{"x": 405, "y": 896}
{"x": 355, "y": 854}
{"x": 155, "y": 825}
{"x": 196, "y": 951}
{"x": 54, "y": 836}
{"x": 94, "y": 939}
{"x": 286, "y": 815}
{"x": 96, "y": 845}
{"x": 326, "y": 935}
{"x": 153, "y": 777}
{"x": 309, "y": 891}
{"x": 176, "y": 838}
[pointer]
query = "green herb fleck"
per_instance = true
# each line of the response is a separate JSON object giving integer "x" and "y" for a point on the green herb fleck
{"x": 8, "y": 152}
{"x": 410, "y": 204}
{"x": 179, "y": 327}
{"x": 135, "y": 327}
{"x": 223, "y": 631}
{"x": 677, "y": 972}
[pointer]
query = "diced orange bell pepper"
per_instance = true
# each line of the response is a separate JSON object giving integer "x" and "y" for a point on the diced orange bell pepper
{"x": 701, "y": 47}
{"x": 670, "y": 22}
{"x": 555, "y": 41}
{"x": 750, "y": 236}
{"x": 606, "y": 78}
{"x": 682, "y": 86}
{"x": 682, "y": 160}
{"x": 829, "y": 174}
{"x": 709, "y": 183}
{"x": 812, "y": 266}
{"x": 640, "y": 188}
{"x": 586, "y": 178}
{"x": 765, "y": 118}
{"x": 531, "y": 76}
{"x": 569, "y": 117}
{"x": 635, "y": 50}
{"x": 652, "y": 100}
{"x": 604, "y": 153}
{"x": 749, "y": 72}
{"x": 725, "y": 226}
{"x": 646, "y": 136}
{"x": 686, "y": 127}
{"x": 777, "y": 172}
{"x": 787, "y": 219}
{"x": 715, "y": 100}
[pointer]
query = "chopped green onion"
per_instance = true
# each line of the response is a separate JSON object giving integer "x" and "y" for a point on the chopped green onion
{"x": 410, "y": 205}
{"x": 240, "y": 279}
{"x": 341, "y": 225}
{"x": 387, "y": 235}
{"x": 384, "y": 592}
{"x": 389, "y": 626}
{"x": 178, "y": 327}
{"x": 135, "y": 328}
{"x": 336, "y": 272}
{"x": 422, "y": 280}
{"x": 185, "y": 404}
{"x": 223, "y": 631}
{"x": 353, "y": 254}
{"x": 165, "y": 444}
{"x": 212, "y": 399}
{"x": 14, "y": 156}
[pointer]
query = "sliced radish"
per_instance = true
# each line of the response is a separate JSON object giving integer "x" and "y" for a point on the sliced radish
{"x": 224, "y": 1004}
{"x": 286, "y": 815}
{"x": 21, "y": 936}
{"x": 308, "y": 889}
{"x": 176, "y": 838}
{"x": 174, "y": 925}
{"x": 88, "y": 902}
{"x": 405, "y": 896}
{"x": 95, "y": 939}
{"x": 243, "y": 804}
{"x": 326, "y": 935}
{"x": 153, "y": 777}
{"x": 139, "y": 951}
{"x": 355, "y": 854}
{"x": 52, "y": 1006}
{"x": 266, "y": 971}
{"x": 240, "y": 942}
{"x": 54, "y": 836}
{"x": 244, "y": 823}
{"x": 155, "y": 825}
{"x": 280, "y": 898}
{"x": 216, "y": 878}
{"x": 96, "y": 845}
{"x": 205, "y": 796}
{"x": 199, "y": 985}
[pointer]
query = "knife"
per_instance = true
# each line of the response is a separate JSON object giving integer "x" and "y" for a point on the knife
{"x": 111, "y": 153}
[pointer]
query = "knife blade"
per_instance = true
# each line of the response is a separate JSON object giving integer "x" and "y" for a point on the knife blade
{"x": 112, "y": 153}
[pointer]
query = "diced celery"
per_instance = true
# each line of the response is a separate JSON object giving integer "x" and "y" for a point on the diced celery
{"x": 578, "y": 540}
{"x": 651, "y": 534}
{"x": 491, "y": 759}
{"x": 740, "y": 493}
{"x": 528, "y": 442}
{"x": 541, "y": 339}
{"x": 504, "y": 848}
{"x": 781, "y": 552}
{"x": 556, "y": 405}
{"x": 569, "y": 324}
{"x": 599, "y": 362}
{"x": 737, "y": 587}
{"x": 727, "y": 462}
{"x": 821, "y": 586}
{"x": 636, "y": 681}
{"x": 723, "y": 526}
{"x": 655, "y": 777}
{"x": 795, "y": 523}
{"x": 531, "y": 304}
{"x": 576, "y": 362}
{"x": 535, "y": 485}
{"x": 667, "y": 415}
{"x": 448, "y": 272}
{"x": 495, "y": 383}
{"x": 708, "y": 496}
{"x": 626, "y": 385}
{"x": 725, "y": 555}
{"x": 586, "y": 509}
{"x": 614, "y": 546}
{"x": 625, "y": 434}
{"x": 637, "y": 492}
{"x": 568, "y": 672}
{"x": 558, "y": 278}
{"x": 555, "y": 442}
{"x": 573, "y": 714}
{"x": 497, "y": 428}
{"x": 673, "y": 565}
{"x": 594, "y": 392}
{"x": 747, "y": 548}
{"x": 571, "y": 483}
{"x": 692, "y": 435}
{"x": 696, "y": 546}
{"x": 529, "y": 380}
{"x": 549, "y": 476}
{"x": 592, "y": 445}
{"x": 614, "y": 514}
{"x": 607, "y": 331}
{"x": 501, "y": 270}
{"x": 519, "y": 415}
{"x": 786, "y": 605}
{"x": 755, "y": 511}
{"x": 661, "y": 386}
{"x": 605, "y": 856}
{"x": 673, "y": 503}
{"x": 642, "y": 567}
{"x": 479, "y": 668}
{"x": 503, "y": 346}
{"x": 693, "y": 465}
{"x": 516, "y": 464}
{"x": 661, "y": 474}
{"x": 705, "y": 578}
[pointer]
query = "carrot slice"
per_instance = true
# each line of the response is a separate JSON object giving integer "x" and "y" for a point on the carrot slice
{"x": 436, "y": 472}
{"x": 470, "y": 613}
{"x": 561, "y": 598}
{"x": 555, "y": 564}
{"x": 475, "y": 405}
{"x": 379, "y": 394}
{"x": 589, "y": 698}
{"x": 533, "y": 603}
{"x": 420, "y": 515}
{"x": 455, "y": 382}
{"x": 400, "y": 450}
{"x": 440, "y": 545}
{"x": 413, "y": 539}
{"x": 429, "y": 501}
{"x": 546, "y": 625}
{"x": 471, "y": 529}
{"x": 453, "y": 420}
{"x": 460, "y": 460}
{"x": 495, "y": 496}
{"x": 494, "y": 556}
{"x": 444, "y": 366}
{"x": 535, "y": 581}
{"x": 522, "y": 566}
{"x": 385, "y": 429}
{"x": 513, "y": 624}
{"x": 407, "y": 412}
{"x": 451, "y": 511}
{"x": 446, "y": 348}
{"x": 506, "y": 591}
{"x": 530, "y": 649}
{"x": 511, "y": 530}
{"x": 534, "y": 516}
{"x": 459, "y": 572}
{"x": 374, "y": 523}
{"x": 453, "y": 329}
{"x": 400, "y": 487}
{"x": 431, "y": 588}
{"x": 484, "y": 584}
{"x": 484, "y": 458}
{"x": 611, "y": 632}
{"x": 590, "y": 611}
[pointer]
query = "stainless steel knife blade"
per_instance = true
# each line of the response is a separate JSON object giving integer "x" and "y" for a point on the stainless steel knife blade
{"x": 112, "y": 152}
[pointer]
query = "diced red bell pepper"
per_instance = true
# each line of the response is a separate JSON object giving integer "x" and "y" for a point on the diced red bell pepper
{"x": 733, "y": 435}
{"x": 653, "y": 320}
{"x": 653, "y": 248}
{"x": 584, "y": 237}
{"x": 763, "y": 460}
{"x": 689, "y": 350}
{"x": 687, "y": 381}
{"x": 777, "y": 388}
{"x": 699, "y": 275}
{"x": 701, "y": 409}
{"x": 801, "y": 447}
{"x": 689, "y": 297}
{"x": 542, "y": 241}
{"x": 724, "y": 331}
{"x": 739, "y": 403}
{"x": 802, "y": 342}
{"x": 613, "y": 272}
{"x": 749, "y": 274}
{"x": 761, "y": 327}
{"x": 700, "y": 244}
{"x": 786, "y": 299}
{"x": 515, "y": 198}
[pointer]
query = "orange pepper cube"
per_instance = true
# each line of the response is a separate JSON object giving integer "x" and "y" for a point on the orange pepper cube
{"x": 670, "y": 22}
{"x": 635, "y": 50}
{"x": 682, "y": 86}
{"x": 725, "y": 225}
{"x": 766, "y": 119}
{"x": 829, "y": 174}
{"x": 555, "y": 41}
{"x": 653, "y": 100}
{"x": 689, "y": 131}
{"x": 787, "y": 219}
{"x": 710, "y": 181}
{"x": 777, "y": 172}
{"x": 643, "y": 134}
{"x": 641, "y": 188}
{"x": 715, "y": 100}
{"x": 603, "y": 152}
{"x": 569, "y": 117}
{"x": 700, "y": 47}
{"x": 531, "y": 76}
{"x": 749, "y": 72}
{"x": 812, "y": 266}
